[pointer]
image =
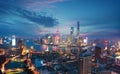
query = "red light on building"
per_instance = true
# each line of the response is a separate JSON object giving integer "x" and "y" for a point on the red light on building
{"x": 57, "y": 37}
{"x": 55, "y": 48}
{"x": 44, "y": 47}
{"x": 45, "y": 41}
{"x": 106, "y": 42}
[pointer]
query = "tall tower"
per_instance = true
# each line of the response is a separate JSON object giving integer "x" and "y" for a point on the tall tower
{"x": 57, "y": 31}
{"x": 71, "y": 30}
{"x": 78, "y": 28}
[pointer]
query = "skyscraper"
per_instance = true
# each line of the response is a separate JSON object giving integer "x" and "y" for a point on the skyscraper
{"x": 85, "y": 65}
{"x": 119, "y": 44}
{"x": 1, "y": 41}
{"x": 13, "y": 40}
{"x": 71, "y": 30}
{"x": 78, "y": 28}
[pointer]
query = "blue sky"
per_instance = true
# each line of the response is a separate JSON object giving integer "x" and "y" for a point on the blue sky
{"x": 98, "y": 18}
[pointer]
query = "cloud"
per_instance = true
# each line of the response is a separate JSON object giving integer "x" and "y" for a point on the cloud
{"x": 41, "y": 20}
{"x": 17, "y": 20}
{"x": 39, "y": 4}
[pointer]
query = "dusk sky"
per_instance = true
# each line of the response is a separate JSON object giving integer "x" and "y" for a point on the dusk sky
{"x": 98, "y": 18}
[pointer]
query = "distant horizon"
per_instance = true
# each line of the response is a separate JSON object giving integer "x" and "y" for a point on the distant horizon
{"x": 89, "y": 37}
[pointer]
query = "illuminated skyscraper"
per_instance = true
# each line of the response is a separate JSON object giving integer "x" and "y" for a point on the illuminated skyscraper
{"x": 1, "y": 41}
{"x": 57, "y": 37}
{"x": 85, "y": 40}
{"x": 13, "y": 40}
{"x": 119, "y": 44}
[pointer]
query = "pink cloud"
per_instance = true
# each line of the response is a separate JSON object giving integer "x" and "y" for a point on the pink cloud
{"x": 40, "y": 4}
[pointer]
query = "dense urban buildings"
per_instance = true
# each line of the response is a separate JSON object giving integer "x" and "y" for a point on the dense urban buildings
{"x": 86, "y": 56}
{"x": 59, "y": 36}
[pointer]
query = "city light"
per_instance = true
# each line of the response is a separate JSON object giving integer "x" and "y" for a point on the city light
{"x": 3, "y": 69}
{"x": 1, "y": 41}
{"x": 54, "y": 48}
{"x": 119, "y": 44}
{"x": 60, "y": 37}
{"x": 45, "y": 41}
{"x": 13, "y": 40}
{"x": 85, "y": 40}
{"x": 44, "y": 47}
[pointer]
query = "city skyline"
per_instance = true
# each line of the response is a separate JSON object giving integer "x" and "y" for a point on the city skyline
{"x": 98, "y": 18}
